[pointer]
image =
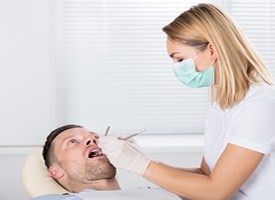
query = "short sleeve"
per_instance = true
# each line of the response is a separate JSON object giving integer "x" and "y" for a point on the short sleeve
{"x": 252, "y": 126}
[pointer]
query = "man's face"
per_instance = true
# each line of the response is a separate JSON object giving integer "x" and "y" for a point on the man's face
{"x": 78, "y": 154}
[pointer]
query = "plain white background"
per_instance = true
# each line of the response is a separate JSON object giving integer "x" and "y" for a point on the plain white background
{"x": 27, "y": 103}
{"x": 27, "y": 80}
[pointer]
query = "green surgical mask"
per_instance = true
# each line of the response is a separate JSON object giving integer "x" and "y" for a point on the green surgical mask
{"x": 186, "y": 73}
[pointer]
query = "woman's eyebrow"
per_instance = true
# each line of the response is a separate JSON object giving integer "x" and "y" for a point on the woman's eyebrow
{"x": 172, "y": 54}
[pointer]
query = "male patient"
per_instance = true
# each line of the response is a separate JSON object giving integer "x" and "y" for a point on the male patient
{"x": 75, "y": 161}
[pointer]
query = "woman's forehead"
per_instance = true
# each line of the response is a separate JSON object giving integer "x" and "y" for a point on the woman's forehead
{"x": 174, "y": 46}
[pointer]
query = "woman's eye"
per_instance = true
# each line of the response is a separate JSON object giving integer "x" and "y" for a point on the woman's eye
{"x": 180, "y": 60}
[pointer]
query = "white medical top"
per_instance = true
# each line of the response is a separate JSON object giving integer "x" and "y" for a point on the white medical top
{"x": 250, "y": 124}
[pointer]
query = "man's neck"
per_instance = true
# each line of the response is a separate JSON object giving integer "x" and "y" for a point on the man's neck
{"x": 104, "y": 184}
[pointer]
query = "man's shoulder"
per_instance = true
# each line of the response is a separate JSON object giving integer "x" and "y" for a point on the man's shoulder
{"x": 57, "y": 197}
{"x": 130, "y": 194}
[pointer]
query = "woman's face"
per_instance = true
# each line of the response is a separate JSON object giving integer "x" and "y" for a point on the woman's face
{"x": 180, "y": 52}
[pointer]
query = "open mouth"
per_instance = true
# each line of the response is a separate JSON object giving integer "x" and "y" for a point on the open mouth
{"x": 95, "y": 153}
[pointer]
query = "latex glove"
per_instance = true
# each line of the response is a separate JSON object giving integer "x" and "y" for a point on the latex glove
{"x": 124, "y": 155}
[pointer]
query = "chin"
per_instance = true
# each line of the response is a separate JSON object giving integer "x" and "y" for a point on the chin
{"x": 102, "y": 169}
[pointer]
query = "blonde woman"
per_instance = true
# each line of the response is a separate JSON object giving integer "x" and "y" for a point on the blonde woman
{"x": 209, "y": 50}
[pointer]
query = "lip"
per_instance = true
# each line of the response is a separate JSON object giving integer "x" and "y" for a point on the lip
{"x": 93, "y": 149}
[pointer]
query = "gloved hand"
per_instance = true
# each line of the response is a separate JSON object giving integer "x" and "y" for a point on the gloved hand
{"x": 124, "y": 154}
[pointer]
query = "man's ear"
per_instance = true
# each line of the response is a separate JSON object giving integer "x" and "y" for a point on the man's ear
{"x": 56, "y": 171}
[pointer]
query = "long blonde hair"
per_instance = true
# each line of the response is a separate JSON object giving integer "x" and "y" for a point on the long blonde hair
{"x": 239, "y": 65}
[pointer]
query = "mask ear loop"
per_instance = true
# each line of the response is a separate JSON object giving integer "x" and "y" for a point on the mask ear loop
{"x": 212, "y": 64}
{"x": 197, "y": 56}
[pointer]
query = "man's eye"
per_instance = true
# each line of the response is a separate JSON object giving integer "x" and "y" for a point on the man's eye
{"x": 72, "y": 141}
{"x": 180, "y": 60}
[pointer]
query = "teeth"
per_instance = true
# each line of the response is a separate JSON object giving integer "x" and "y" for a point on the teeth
{"x": 95, "y": 153}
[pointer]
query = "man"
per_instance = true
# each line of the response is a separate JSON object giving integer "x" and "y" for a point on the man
{"x": 75, "y": 161}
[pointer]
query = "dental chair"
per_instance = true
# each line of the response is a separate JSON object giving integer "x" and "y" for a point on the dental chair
{"x": 36, "y": 179}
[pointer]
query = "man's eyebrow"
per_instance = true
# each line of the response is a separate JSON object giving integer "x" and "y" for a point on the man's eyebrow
{"x": 66, "y": 138}
{"x": 94, "y": 133}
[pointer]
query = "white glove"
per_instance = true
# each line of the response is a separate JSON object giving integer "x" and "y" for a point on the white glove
{"x": 124, "y": 154}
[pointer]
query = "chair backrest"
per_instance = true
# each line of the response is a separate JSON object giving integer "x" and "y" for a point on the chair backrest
{"x": 36, "y": 179}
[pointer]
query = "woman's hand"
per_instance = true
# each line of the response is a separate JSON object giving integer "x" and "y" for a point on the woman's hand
{"x": 124, "y": 154}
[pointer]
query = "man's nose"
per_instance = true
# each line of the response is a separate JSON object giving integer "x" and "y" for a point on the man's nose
{"x": 90, "y": 141}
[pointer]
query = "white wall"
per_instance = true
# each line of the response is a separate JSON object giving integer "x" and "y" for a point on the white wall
{"x": 27, "y": 102}
{"x": 28, "y": 98}
{"x": 12, "y": 160}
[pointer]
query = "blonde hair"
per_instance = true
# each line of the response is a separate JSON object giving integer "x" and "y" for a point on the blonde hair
{"x": 239, "y": 65}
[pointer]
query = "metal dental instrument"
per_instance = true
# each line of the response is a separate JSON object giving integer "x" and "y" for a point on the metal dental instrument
{"x": 107, "y": 131}
{"x": 133, "y": 135}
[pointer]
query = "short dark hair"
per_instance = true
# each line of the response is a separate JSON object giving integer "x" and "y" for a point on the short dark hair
{"x": 48, "y": 149}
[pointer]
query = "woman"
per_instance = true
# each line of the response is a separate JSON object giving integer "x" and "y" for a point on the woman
{"x": 209, "y": 50}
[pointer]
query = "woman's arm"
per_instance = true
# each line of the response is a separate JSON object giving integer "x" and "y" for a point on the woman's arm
{"x": 204, "y": 169}
{"x": 233, "y": 168}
